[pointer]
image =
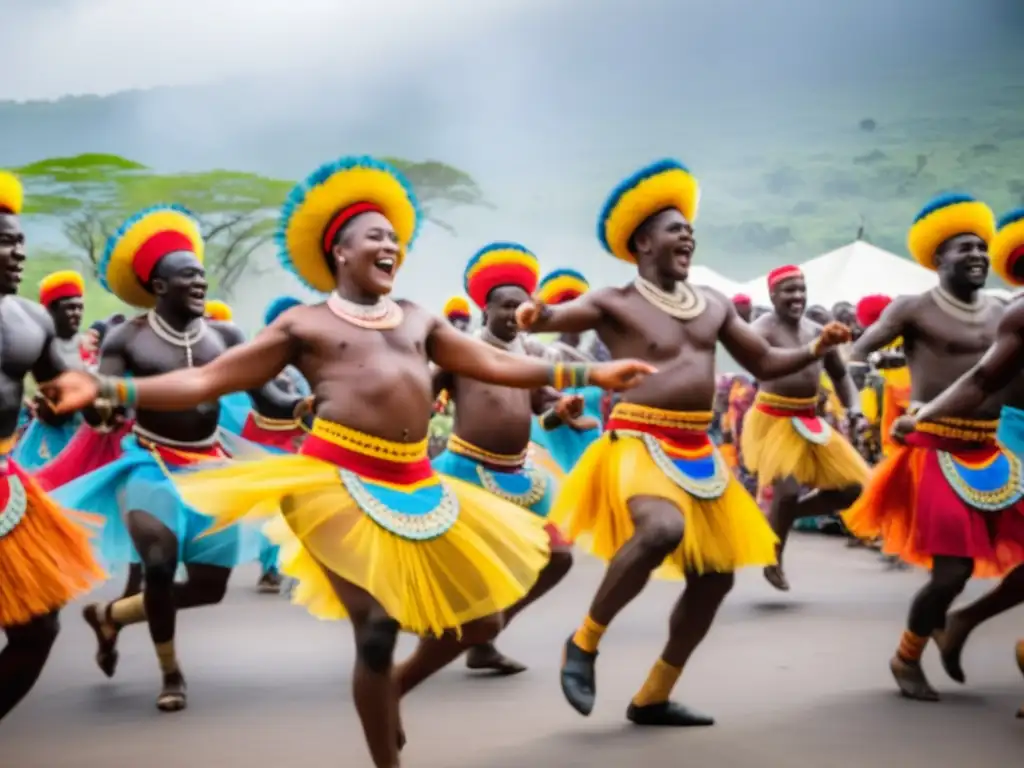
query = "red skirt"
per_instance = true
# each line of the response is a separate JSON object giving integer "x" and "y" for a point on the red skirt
{"x": 88, "y": 450}
{"x": 285, "y": 439}
{"x": 937, "y": 496}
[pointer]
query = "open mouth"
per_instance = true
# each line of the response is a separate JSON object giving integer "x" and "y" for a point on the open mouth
{"x": 197, "y": 294}
{"x": 386, "y": 264}
{"x": 976, "y": 270}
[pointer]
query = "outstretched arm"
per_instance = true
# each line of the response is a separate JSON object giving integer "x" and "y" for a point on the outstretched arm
{"x": 884, "y": 331}
{"x": 753, "y": 352}
{"x": 270, "y": 399}
{"x": 992, "y": 373}
{"x": 466, "y": 356}
{"x": 576, "y": 316}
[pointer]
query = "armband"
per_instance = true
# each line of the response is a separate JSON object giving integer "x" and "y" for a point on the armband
{"x": 117, "y": 391}
{"x": 569, "y": 376}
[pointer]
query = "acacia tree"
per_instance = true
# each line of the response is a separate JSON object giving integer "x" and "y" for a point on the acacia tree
{"x": 237, "y": 211}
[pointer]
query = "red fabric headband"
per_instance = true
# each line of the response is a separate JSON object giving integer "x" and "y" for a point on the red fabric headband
{"x": 343, "y": 217}
{"x": 741, "y": 300}
{"x": 154, "y": 249}
{"x": 776, "y": 276}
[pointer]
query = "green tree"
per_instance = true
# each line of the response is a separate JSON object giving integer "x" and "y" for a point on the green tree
{"x": 92, "y": 194}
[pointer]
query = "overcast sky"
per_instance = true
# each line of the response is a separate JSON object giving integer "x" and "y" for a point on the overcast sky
{"x": 103, "y": 46}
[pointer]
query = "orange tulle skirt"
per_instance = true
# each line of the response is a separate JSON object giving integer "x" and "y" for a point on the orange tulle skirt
{"x": 46, "y": 557}
{"x": 943, "y": 496}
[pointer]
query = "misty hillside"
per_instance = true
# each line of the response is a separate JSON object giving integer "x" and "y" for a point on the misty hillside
{"x": 802, "y": 120}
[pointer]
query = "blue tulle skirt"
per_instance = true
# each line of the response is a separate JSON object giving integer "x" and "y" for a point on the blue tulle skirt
{"x": 530, "y": 488}
{"x": 41, "y": 442}
{"x": 234, "y": 410}
{"x": 137, "y": 480}
{"x": 566, "y": 444}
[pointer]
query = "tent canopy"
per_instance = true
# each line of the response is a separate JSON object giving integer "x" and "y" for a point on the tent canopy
{"x": 852, "y": 272}
{"x": 701, "y": 275}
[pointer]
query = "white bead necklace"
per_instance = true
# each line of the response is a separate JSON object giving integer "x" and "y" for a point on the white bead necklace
{"x": 181, "y": 339}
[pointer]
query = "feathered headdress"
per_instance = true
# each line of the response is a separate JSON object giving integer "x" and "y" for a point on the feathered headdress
{"x": 330, "y": 197}
{"x": 65, "y": 284}
{"x": 1007, "y": 248}
{"x": 870, "y": 308}
{"x": 499, "y": 264}
{"x": 561, "y": 285}
{"x": 278, "y": 307}
{"x": 136, "y": 248}
{"x": 944, "y": 217}
{"x": 656, "y": 187}
{"x": 12, "y": 194}
{"x": 457, "y": 307}
{"x": 218, "y": 310}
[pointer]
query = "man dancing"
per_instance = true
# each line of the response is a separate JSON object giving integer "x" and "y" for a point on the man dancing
{"x": 653, "y": 491}
{"x": 785, "y": 442}
{"x": 154, "y": 262}
{"x": 376, "y": 534}
{"x": 490, "y": 439}
{"x": 999, "y": 371}
{"x": 45, "y": 558}
{"x": 949, "y": 499}
{"x": 48, "y": 434}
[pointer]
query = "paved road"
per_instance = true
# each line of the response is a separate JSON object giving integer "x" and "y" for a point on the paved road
{"x": 798, "y": 680}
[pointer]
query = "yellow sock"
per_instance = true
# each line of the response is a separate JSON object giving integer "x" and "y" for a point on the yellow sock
{"x": 589, "y": 635}
{"x": 1020, "y": 654}
{"x": 911, "y": 647}
{"x": 167, "y": 657}
{"x": 659, "y": 684}
{"x": 127, "y": 611}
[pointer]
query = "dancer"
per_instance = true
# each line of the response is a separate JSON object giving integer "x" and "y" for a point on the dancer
{"x": 45, "y": 557}
{"x": 155, "y": 262}
{"x": 384, "y": 540}
{"x": 62, "y": 295}
{"x": 564, "y": 442}
{"x": 785, "y": 442}
{"x": 949, "y": 499}
{"x": 998, "y": 372}
{"x": 653, "y": 491}
{"x": 489, "y": 443}
{"x": 458, "y": 313}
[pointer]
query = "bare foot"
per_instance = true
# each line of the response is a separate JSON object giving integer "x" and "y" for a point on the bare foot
{"x": 911, "y": 680}
{"x": 106, "y": 637}
{"x": 173, "y": 696}
{"x": 950, "y": 642}
{"x": 776, "y": 577}
{"x": 488, "y": 657}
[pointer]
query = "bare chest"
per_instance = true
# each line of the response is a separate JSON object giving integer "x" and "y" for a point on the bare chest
{"x": 938, "y": 335}
{"x": 22, "y": 340}
{"x": 646, "y": 332}
{"x": 149, "y": 354}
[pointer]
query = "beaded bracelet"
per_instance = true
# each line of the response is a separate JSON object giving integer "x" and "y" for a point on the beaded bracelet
{"x": 550, "y": 420}
{"x": 117, "y": 390}
{"x": 570, "y": 375}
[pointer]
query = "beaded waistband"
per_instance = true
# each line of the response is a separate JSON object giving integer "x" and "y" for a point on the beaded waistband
{"x": 275, "y": 425}
{"x": 462, "y": 448}
{"x": 783, "y": 403}
{"x": 689, "y": 421}
{"x": 368, "y": 445}
{"x": 145, "y": 436}
{"x": 967, "y": 430}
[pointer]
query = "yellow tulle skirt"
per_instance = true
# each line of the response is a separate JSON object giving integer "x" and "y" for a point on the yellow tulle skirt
{"x": 773, "y": 448}
{"x": 720, "y": 535}
{"x": 486, "y": 562}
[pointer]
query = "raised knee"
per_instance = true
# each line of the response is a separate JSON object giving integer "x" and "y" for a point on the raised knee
{"x": 663, "y": 534}
{"x": 375, "y": 643}
{"x": 159, "y": 573}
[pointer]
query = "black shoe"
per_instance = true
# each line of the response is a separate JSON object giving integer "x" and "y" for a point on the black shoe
{"x": 579, "y": 682}
{"x": 667, "y": 714}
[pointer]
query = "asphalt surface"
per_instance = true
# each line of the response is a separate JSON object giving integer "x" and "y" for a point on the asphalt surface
{"x": 794, "y": 680}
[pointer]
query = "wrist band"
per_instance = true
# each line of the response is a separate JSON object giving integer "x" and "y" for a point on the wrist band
{"x": 814, "y": 348}
{"x": 117, "y": 390}
{"x": 569, "y": 375}
{"x": 550, "y": 420}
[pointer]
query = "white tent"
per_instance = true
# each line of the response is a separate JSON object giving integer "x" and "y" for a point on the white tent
{"x": 852, "y": 272}
{"x": 701, "y": 275}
